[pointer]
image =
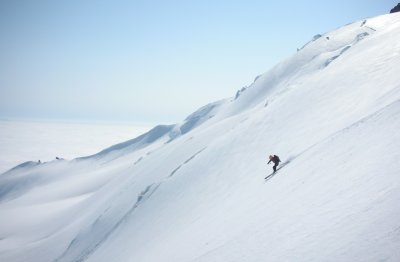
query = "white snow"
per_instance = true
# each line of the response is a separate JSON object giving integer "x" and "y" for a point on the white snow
{"x": 22, "y": 140}
{"x": 195, "y": 191}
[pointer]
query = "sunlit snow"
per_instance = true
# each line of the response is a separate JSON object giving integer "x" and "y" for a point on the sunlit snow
{"x": 195, "y": 191}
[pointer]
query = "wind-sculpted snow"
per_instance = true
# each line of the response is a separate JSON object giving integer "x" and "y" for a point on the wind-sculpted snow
{"x": 195, "y": 191}
{"x": 11, "y": 187}
{"x": 198, "y": 117}
{"x": 315, "y": 37}
{"x": 136, "y": 143}
{"x": 186, "y": 161}
{"x": 89, "y": 240}
{"x": 23, "y": 178}
{"x": 358, "y": 38}
{"x": 24, "y": 165}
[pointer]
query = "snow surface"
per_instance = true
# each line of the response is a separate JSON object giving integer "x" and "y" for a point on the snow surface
{"x": 195, "y": 191}
{"x": 22, "y": 140}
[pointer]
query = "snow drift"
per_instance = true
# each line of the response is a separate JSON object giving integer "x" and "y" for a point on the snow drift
{"x": 195, "y": 191}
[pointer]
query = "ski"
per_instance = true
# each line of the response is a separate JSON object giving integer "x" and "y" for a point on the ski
{"x": 269, "y": 176}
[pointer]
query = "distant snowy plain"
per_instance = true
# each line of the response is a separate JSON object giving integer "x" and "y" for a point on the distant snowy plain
{"x": 30, "y": 140}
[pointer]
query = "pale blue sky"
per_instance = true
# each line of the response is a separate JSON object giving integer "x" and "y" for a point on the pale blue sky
{"x": 149, "y": 61}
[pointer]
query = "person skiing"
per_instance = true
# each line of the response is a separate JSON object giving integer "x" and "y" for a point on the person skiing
{"x": 275, "y": 159}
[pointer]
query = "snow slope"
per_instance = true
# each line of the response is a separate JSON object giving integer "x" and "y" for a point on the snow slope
{"x": 195, "y": 191}
{"x": 21, "y": 140}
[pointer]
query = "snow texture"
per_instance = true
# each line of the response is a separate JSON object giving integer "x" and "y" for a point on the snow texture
{"x": 45, "y": 140}
{"x": 196, "y": 192}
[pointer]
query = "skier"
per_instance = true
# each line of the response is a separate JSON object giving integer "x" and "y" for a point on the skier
{"x": 275, "y": 159}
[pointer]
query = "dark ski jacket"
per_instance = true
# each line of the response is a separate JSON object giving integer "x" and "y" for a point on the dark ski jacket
{"x": 275, "y": 159}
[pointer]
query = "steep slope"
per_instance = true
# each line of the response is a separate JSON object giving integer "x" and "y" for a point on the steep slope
{"x": 195, "y": 191}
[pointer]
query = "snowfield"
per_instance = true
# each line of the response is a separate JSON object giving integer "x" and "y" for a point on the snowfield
{"x": 22, "y": 140}
{"x": 195, "y": 191}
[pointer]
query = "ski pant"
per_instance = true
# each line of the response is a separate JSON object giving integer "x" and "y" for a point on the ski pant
{"x": 275, "y": 165}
